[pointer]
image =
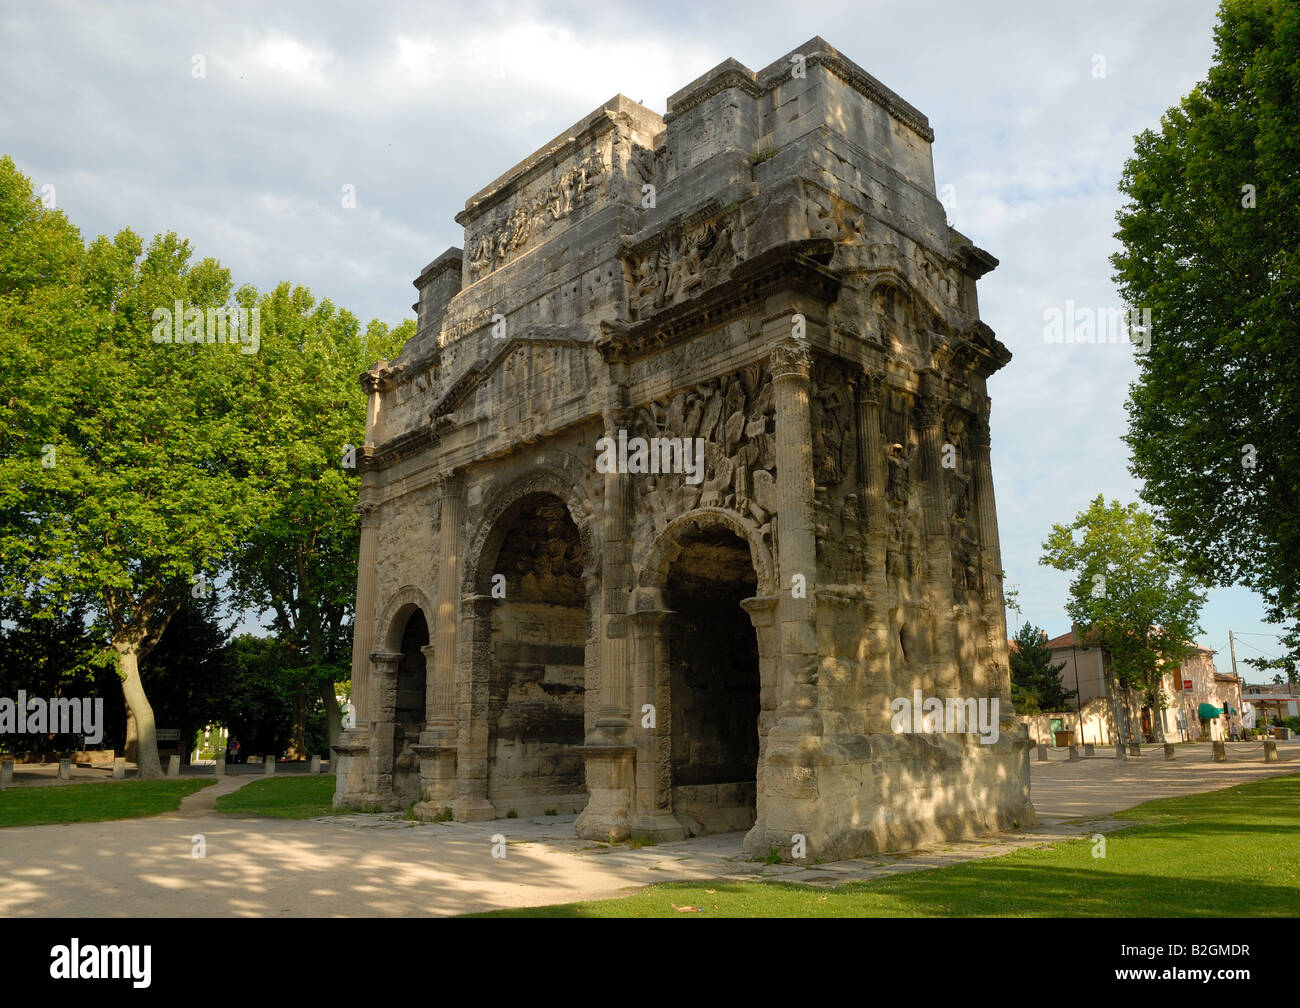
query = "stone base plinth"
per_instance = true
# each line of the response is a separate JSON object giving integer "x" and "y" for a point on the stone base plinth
{"x": 609, "y": 784}
{"x": 862, "y": 795}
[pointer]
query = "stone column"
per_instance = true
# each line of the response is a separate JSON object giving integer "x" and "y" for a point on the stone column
{"x": 985, "y": 513}
{"x": 383, "y": 711}
{"x": 871, "y": 466}
{"x": 936, "y": 534}
{"x": 872, "y": 479}
{"x": 442, "y": 711}
{"x": 651, "y": 620}
{"x": 613, "y": 720}
{"x": 791, "y": 365}
{"x": 762, "y": 612}
{"x": 472, "y": 803}
{"x": 363, "y": 626}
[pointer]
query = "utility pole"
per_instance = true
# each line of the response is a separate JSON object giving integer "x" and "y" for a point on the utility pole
{"x": 1232, "y": 650}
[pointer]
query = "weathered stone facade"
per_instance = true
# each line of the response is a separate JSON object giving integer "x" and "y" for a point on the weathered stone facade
{"x": 766, "y": 269}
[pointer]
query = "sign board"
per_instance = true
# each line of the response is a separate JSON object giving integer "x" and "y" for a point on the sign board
{"x": 1187, "y": 684}
{"x": 168, "y": 734}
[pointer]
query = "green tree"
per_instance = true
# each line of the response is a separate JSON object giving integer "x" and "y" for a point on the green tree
{"x": 1131, "y": 593}
{"x": 300, "y": 563}
{"x": 1035, "y": 682}
{"x": 116, "y": 484}
{"x": 1210, "y": 243}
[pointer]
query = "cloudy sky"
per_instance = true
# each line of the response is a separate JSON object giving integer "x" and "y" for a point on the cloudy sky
{"x": 239, "y": 125}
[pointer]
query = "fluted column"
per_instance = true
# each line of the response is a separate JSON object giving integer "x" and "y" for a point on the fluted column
{"x": 791, "y": 365}
{"x": 871, "y": 470}
{"x": 990, "y": 555}
{"x": 442, "y": 717}
{"x": 615, "y": 672}
{"x": 936, "y": 534}
{"x": 363, "y": 623}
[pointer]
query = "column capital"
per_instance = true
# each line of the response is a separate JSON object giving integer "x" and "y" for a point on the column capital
{"x": 449, "y": 482}
{"x": 386, "y": 661}
{"x": 791, "y": 358}
{"x": 868, "y": 387}
{"x": 928, "y": 409}
{"x": 369, "y": 512}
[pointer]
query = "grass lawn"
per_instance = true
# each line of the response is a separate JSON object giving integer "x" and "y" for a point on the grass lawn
{"x": 283, "y": 797}
{"x": 1230, "y": 853}
{"x": 92, "y": 802}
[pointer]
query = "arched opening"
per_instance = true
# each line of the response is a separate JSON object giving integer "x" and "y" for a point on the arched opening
{"x": 714, "y": 682}
{"x": 536, "y": 688}
{"x": 408, "y": 707}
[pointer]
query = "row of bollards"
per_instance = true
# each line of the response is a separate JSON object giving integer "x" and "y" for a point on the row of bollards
{"x": 1125, "y": 750}
{"x": 119, "y": 768}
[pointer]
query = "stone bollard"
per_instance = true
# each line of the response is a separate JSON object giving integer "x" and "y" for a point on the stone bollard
{"x": 173, "y": 766}
{"x": 1089, "y": 749}
{"x": 1134, "y": 749}
{"x": 1270, "y": 751}
{"x": 1220, "y": 753}
{"x": 119, "y": 768}
{"x": 315, "y": 764}
{"x": 6, "y": 772}
{"x": 1119, "y": 751}
{"x": 1042, "y": 753}
{"x": 268, "y": 766}
{"x": 1169, "y": 750}
{"x": 1074, "y": 753}
{"x": 65, "y": 769}
{"x": 221, "y": 766}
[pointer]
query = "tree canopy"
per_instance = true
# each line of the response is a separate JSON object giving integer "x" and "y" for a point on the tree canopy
{"x": 1210, "y": 243}
{"x": 1131, "y": 592}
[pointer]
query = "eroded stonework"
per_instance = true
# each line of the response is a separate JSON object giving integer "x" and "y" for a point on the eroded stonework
{"x": 764, "y": 271}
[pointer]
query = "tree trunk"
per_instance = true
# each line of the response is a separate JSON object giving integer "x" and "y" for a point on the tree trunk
{"x": 333, "y": 718}
{"x": 298, "y": 730}
{"x": 131, "y": 747}
{"x": 147, "y": 763}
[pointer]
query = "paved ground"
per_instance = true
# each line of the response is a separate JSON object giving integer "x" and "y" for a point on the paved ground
{"x": 371, "y": 865}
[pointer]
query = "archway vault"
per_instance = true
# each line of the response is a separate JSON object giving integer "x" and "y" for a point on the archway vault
{"x": 389, "y": 627}
{"x": 667, "y": 546}
{"x": 556, "y": 473}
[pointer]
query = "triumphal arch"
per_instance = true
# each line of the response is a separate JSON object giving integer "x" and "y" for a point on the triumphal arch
{"x": 683, "y": 485}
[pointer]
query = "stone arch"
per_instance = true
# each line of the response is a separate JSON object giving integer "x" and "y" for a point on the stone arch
{"x": 389, "y": 627}
{"x": 666, "y": 546}
{"x": 556, "y": 473}
{"x": 525, "y": 733}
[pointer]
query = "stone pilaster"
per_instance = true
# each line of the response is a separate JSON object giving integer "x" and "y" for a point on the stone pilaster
{"x": 383, "y": 707}
{"x": 472, "y": 803}
{"x": 654, "y": 818}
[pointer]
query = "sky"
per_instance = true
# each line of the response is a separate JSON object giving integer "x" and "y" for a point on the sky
{"x": 248, "y": 128}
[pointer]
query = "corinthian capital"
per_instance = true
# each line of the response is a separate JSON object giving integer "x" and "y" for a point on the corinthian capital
{"x": 791, "y": 357}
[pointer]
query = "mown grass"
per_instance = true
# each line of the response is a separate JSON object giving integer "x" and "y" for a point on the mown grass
{"x": 283, "y": 798}
{"x": 1232, "y": 853}
{"x": 97, "y": 801}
